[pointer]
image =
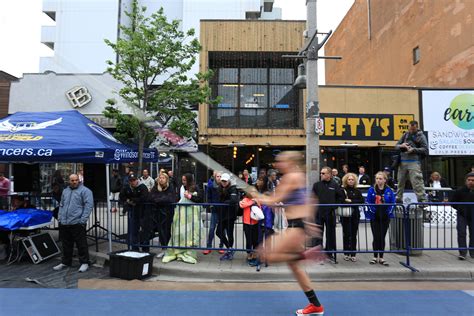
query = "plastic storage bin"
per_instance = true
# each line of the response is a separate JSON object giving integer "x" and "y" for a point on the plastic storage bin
{"x": 128, "y": 267}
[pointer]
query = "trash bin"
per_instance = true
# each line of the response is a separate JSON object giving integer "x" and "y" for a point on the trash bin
{"x": 397, "y": 230}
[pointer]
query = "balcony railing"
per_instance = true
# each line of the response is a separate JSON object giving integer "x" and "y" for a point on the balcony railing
{"x": 233, "y": 117}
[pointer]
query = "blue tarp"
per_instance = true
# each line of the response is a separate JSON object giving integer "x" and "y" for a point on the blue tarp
{"x": 66, "y": 136}
{"x": 24, "y": 218}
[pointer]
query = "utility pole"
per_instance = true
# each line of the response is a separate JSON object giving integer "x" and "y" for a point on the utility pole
{"x": 312, "y": 102}
{"x": 309, "y": 53}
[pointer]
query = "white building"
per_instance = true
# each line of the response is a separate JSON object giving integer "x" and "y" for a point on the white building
{"x": 77, "y": 39}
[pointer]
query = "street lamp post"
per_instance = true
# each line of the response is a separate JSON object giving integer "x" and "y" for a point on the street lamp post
{"x": 312, "y": 102}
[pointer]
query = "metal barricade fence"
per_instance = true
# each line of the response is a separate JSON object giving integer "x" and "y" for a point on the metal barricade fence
{"x": 444, "y": 228}
{"x": 199, "y": 226}
{"x": 417, "y": 227}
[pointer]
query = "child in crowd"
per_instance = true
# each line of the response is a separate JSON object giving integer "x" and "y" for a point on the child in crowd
{"x": 250, "y": 227}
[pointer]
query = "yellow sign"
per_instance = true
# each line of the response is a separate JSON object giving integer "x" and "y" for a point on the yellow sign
{"x": 19, "y": 137}
{"x": 400, "y": 123}
{"x": 365, "y": 126}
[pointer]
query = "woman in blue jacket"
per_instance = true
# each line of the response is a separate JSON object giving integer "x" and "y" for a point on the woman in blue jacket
{"x": 379, "y": 216}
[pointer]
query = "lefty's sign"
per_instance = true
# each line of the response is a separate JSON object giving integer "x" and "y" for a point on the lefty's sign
{"x": 380, "y": 127}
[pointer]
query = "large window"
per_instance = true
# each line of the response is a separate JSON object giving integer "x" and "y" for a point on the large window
{"x": 255, "y": 89}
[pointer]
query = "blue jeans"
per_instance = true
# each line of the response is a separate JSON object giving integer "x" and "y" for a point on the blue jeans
{"x": 212, "y": 230}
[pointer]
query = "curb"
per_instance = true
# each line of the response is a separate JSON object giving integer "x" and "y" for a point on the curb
{"x": 205, "y": 272}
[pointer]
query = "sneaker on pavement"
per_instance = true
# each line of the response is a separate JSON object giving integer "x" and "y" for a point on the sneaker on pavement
{"x": 160, "y": 254}
{"x": 462, "y": 257}
{"x": 83, "y": 268}
{"x": 60, "y": 266}
{"x": 222, "y": 251}
{"x": 311, "y": 309}
{"x": 229, "y": 255}
{"x": 206, "y": 252}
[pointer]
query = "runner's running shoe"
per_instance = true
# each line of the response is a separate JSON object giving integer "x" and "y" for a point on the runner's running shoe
{"x": 311, "y": 309}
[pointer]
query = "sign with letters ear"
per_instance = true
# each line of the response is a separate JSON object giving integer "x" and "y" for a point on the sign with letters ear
{"x": 378, "y": 127}
{"x": 448, "y": 117}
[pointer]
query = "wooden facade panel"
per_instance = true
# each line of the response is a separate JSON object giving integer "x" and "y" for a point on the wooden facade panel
{"x": 250, "y": 36}
{"x": 368, "y": 100}
{"x": 4, "y": 98}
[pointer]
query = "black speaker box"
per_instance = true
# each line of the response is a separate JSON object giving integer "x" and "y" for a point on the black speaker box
{"x": 40, "y": 247}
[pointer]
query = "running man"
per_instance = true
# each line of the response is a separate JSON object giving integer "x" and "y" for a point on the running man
{"x": 290, "y": 247}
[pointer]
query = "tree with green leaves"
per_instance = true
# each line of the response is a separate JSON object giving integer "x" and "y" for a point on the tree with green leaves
{"x": 154, "y": 57}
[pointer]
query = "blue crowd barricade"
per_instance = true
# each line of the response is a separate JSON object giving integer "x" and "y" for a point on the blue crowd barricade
{"x": 413, "y": 228}
{"x": 445, "y": 225}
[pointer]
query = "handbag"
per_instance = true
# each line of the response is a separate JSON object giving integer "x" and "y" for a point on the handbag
{"x": 344, "y": 211}
{"x": 280, "y": 222}
{"x": 256, "y": 213}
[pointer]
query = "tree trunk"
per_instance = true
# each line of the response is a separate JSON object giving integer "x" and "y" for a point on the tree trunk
{"x": 141, "y": 145}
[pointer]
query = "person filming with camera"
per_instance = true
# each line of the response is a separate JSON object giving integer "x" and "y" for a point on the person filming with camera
{"x": 413, "y": 148}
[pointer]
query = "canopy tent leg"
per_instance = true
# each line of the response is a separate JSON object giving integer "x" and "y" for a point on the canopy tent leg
{"x": 109, "y": 206}
{"x": 11, "y": 178}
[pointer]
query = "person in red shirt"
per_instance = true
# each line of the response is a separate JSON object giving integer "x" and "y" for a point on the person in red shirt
{"x": 4, "y": 190}
{"x": 250, "y": 227}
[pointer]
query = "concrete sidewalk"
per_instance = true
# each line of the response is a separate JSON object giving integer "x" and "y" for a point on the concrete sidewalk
{"x": 432, "y": 266}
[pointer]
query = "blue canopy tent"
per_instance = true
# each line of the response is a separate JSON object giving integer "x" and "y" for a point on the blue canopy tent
{"x": 65, "y": 136}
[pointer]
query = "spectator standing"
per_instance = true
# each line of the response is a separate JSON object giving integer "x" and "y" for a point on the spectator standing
{"x": 246, "y": 177}
{"x": 436, "y": 182}
{"x": 465, "y": 216}
{"x": 115, "y": 188}
{"x": 147, "y": 180}
{"x": 75, "y": 208}
{"x": 173, "y": 183}
{"x": 250, "y": 227}
{"x": 327, "y": 191}
{"x": 186, "y": 223}
{"x": 379, "y": 215}
{"x": 345, "y": 170}
{"x": 266, "y": 224}
{"x": 362, "y": 178}
{"x": 227, "y": 215}
{"x": 262, "y": 173}
{"x": 128, "y": 172}
{"x": 58, "y": 179}
{"x": 272, "y": 180}
{"x": 413, "y": 148}
{"x": 163, "y": 197}
{"x": 213, "y": 196}
{"x": 350, "y": 224}
{"x": 135, "y": 197}
{"x": 390, "y": 179}
{"x": 335, "y": 176}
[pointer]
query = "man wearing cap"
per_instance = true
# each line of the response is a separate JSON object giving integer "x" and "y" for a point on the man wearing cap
{"x": 76, "y": 205}
{"x": 465, "y": 215}
{"x": 413, "y": 147}
{"x": 134, "y": 196}
{"x": 227, "y": 214}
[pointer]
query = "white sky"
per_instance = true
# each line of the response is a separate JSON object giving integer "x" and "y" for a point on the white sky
{"x": 21, "y": 21}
